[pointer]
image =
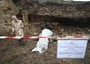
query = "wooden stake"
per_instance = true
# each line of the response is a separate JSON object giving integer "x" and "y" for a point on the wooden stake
{"x": 25, "y": 21}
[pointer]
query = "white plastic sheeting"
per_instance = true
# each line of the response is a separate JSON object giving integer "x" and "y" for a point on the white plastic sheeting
{"x": 42, "y": 44}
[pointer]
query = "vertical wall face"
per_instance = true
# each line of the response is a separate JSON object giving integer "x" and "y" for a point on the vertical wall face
{"x": 68, "y": 0}
{"x": 81, "y": 0}
{"x": 42, "y": 1}
{"x": 22, "y": 1}
{"x": 54, "y": 1}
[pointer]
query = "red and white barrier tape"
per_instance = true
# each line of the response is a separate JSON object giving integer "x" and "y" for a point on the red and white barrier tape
{"x": 34, "y": 37}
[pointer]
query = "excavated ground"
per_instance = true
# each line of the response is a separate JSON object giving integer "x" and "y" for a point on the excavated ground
{"x": 12, "y": 53}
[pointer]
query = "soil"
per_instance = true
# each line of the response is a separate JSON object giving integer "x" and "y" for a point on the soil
{"x": 12, "y": 53}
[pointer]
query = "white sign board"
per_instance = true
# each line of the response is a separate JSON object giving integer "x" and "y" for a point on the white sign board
{"x": 71, "y": 48}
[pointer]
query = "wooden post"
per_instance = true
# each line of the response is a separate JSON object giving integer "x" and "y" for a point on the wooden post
{"x": 25, "y": 21}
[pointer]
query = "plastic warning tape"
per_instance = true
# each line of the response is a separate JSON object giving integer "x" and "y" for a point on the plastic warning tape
{"x": 35, "y": 37}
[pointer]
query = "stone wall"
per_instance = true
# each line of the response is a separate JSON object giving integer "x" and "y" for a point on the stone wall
{"x": 65, "y": 9}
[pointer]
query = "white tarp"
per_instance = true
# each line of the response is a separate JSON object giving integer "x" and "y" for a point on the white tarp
{"x": 42, "y": 44}
{"x": 71, "y": 48}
